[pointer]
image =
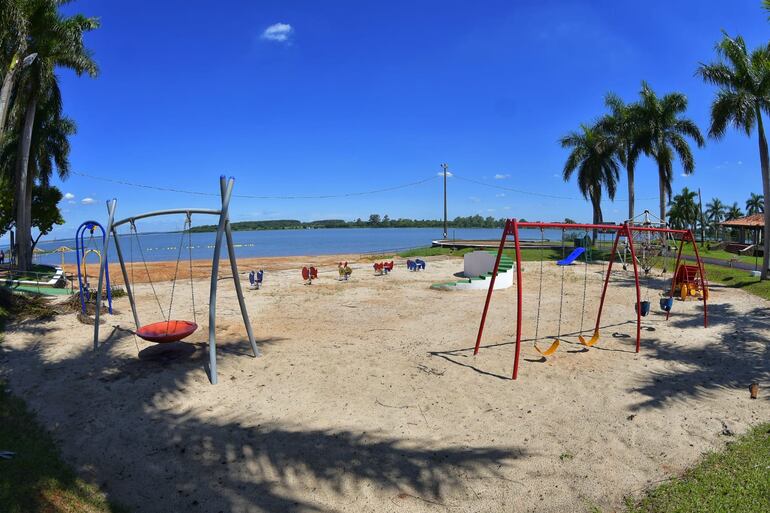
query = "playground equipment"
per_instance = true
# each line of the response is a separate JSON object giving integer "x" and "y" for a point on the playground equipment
{"x": 345, "y": 271}
{"x": 415, "y": 265}
{"x": 169, "y": 329}
{"x": 84, "y": 248}
{"x": 626, "y": 231}
{"x": 572, "y": 256}
{"x": 381, "y": 268}
{"x": 309, "y": 275}
{"x": 688, "y": 284}
{"x": 255, "y": 279}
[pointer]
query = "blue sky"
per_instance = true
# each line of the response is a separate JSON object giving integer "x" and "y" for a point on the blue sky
{"x": 346, "y": 96}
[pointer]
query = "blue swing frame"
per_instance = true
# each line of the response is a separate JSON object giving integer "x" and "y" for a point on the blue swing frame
{"x": 80, "y": 254}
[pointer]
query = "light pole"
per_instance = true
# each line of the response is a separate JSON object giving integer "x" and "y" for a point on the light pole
{"x": 444, "y": 167}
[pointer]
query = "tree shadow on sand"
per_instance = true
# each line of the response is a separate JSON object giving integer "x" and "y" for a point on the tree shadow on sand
{"x": 176, "y": 459}
{"x": 738, "y": 358}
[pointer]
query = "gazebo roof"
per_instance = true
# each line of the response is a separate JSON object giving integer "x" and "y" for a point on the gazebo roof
{"x": 752, "y": 221}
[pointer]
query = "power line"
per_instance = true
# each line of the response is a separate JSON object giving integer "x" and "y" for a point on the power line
{"x": 251, "y": 196}
{"x": 531, "y": 193}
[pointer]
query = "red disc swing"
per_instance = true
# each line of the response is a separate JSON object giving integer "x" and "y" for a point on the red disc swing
{"x": 167, "y": 330}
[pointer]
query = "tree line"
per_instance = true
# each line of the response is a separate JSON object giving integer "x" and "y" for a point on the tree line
{"x": 36, "y": 40}
{"x": 656, "y": 127}
{"x": 374, "y": 221}
{"x": 685, "y": 212}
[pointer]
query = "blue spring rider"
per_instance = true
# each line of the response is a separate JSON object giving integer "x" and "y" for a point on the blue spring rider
{"x": 84, "y": 248}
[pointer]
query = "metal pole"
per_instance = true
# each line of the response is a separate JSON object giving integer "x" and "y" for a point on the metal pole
{"x": 517, "y": 247}
{"x": 705, "y": 291}
{"x": 638, "y": 291}
{"x": 111, "y": 217}
{"x": 607, "y": 281}
{"x": 123, "y": 270}
{"x": 491, "y": 287}
{"x": 444, "y": 166}
{"x": 676, "y": 269}
{"x": 227, "y": 192}
{"x": 237, "y": 282}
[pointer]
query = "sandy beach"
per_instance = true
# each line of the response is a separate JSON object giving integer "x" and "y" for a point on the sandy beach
{"x": 368, "y": 397}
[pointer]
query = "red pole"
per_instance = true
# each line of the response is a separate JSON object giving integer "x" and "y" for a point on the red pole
{"x": 702, "y": 281}
{"x": 518, "y": 298}
{"x": 638, "y": 292}
{"x": 491, "y": 286}
{"x": 676, "y": 268}
{"x": 606, "y": 281}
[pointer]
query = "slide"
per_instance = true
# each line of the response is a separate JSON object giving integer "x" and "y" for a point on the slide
{"x": 572, "y": 256}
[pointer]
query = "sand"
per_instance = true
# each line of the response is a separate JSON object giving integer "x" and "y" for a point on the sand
{"x": 368, "y": 398}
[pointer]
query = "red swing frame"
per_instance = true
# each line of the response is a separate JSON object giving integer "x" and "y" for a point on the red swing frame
{"x": 512, "y": 227}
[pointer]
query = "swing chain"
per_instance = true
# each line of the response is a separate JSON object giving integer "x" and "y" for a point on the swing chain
{"x": 147, "y": 270}
{"x": 189, "y": 247}
{"x": 540, "y": 287}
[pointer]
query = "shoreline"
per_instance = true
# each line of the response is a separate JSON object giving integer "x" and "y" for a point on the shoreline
{"x": 201, "y": 268}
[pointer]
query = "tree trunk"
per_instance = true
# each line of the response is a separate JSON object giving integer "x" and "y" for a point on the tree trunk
{"x": 662, "y": 199}
{"x": 5, "y": 98}
{"x": 24, "y": 190}
{"x": 631, "y": 198}
{"x": 765, "y": 163}
{"x": 597, "y": 212}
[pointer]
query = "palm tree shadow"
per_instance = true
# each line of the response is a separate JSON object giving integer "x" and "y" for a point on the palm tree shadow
{"x": 170, "y": 459}
{"x": 739, "y": 357}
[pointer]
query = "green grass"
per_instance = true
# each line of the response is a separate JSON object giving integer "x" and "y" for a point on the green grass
{"x": 738, "y": 278}
{"x": 721, "y": 254}
{"x": 736, "y": 479}
{"x": 36, "y": 480}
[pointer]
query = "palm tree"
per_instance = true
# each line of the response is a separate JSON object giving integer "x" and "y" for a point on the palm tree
{"x": 58, "y": 42}
{"x": 733, "y": 212}
{"x": 755, "y": 204}
{"x": 13, "y": 53}
{"x": 662, "y": 136}
{"x": 594, "y": 156}
{"x": 715, "y": 213}
{"x": 621, "y": 124}
{"x": 743, "y": 79}
{"x": 684, "y": 210}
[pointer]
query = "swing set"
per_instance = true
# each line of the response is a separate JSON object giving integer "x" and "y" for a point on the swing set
{"x": 169, "y": 329}
{"x": 626, "y": 231}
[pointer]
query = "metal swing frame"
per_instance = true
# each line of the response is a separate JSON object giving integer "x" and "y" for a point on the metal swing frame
{"x": 627, "y": 230}
{"x": 81, "y": 253}
{"x": 223, "y": 229}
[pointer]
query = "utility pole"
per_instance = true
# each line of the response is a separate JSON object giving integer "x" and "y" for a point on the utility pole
{"x": 444, "y": 167}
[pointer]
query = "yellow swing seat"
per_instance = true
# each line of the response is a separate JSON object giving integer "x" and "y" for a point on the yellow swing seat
{"x": 590, "y": 342}
{"x": 550, "y": 350}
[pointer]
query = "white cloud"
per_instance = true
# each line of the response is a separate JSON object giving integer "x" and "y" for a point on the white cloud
{"x": 280, "y": 32}
{"x": 506, "y": 208}
{"x": 88, "y": 201}
{"x": 501, "y": 195}
{"x": 685, "y": 175}
{"x": 69, "y": 196}
{"x": 490, "y": 210}
{"x": 474, "y": 199}
{"x": 72, "y": 202}
{"x": 448, "y": 174}
{"x": 499, "y": 176}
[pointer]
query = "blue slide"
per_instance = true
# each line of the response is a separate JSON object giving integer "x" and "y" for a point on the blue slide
{"x": 572, "y": 256}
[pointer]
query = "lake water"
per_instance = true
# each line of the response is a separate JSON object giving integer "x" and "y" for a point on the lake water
{"x": 262, "y": 243}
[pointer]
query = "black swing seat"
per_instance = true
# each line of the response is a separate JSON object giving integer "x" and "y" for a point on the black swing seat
{"x": 166, "y": 331}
